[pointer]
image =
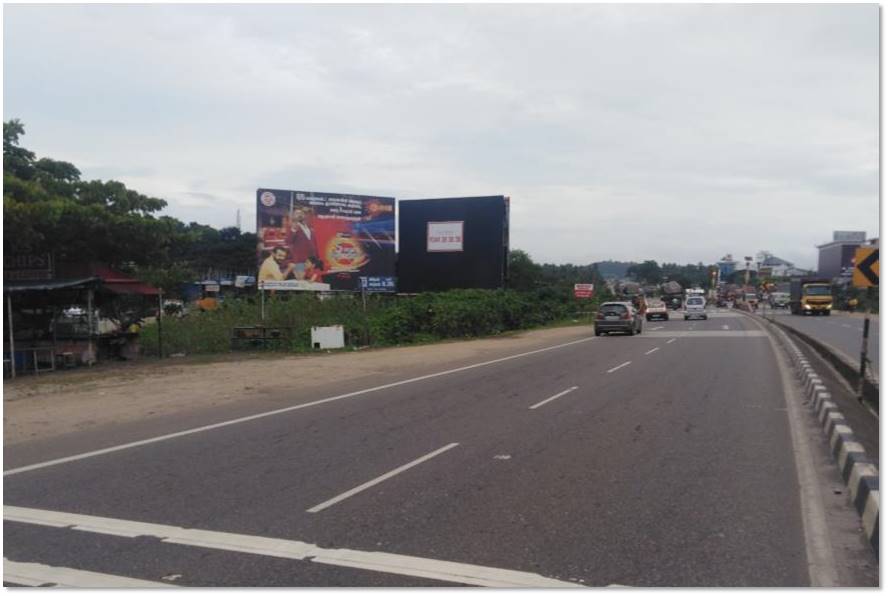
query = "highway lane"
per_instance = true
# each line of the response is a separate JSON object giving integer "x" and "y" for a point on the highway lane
{"x": 673, "y": 469}
{"x": 839, "y": 331}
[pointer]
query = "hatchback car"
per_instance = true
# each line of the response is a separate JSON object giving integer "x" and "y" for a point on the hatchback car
{"x": 657, "y": 310}
{"x": 695, "y": 307}
{"x": 618, "y": 316}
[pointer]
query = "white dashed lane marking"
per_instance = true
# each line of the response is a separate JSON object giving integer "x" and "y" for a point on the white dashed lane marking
{"x": 378, "y": 479}
{"x": 208, "y": 427}
{"x": 627, "y": 363}
{"x": 556, "y": 396}
{"x": 651, "y": 351}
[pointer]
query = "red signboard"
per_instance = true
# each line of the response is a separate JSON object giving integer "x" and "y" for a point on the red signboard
{"x": 583, "y": 290}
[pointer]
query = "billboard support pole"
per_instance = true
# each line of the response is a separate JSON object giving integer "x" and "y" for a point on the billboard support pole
{"x": 262, "y": 305}
{"x": 11, "y": 336}
{"x": 366, "y": 321}
{"x": 160, "y": 324}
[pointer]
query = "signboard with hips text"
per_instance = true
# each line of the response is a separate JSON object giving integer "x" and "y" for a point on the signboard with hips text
{"x": 583, "y": 290}
{"x": 445, "y": 236}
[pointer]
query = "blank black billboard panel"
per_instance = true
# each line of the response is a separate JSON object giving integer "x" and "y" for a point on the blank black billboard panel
{"x": 453, "y": 243}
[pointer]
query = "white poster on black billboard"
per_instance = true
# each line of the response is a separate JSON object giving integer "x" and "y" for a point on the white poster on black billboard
{"x": 444, "y": 236}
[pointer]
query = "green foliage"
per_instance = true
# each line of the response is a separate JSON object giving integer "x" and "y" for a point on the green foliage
{"x": 648, "y": 272}
{"x": 390, "y": 320}
{"x": 47, "y": 208}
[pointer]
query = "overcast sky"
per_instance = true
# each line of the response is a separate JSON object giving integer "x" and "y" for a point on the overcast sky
{"x": 674, "y": 133}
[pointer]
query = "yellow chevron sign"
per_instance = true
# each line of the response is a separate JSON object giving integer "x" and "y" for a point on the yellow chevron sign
{"x": 866, "y": 268}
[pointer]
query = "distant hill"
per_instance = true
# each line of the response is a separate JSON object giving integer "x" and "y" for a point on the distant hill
{"x": 613, "y": 269}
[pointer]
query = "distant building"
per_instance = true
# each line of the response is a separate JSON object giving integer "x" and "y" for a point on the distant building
{"x": 777, "y": 266}
{"x": 726, "y": 266}
{"x": 837, "y": 255}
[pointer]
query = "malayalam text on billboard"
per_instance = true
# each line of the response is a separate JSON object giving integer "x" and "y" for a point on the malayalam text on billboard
{"x": 323, "y": 241}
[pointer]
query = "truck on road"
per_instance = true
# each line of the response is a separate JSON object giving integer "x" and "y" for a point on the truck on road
{"x": 810, "y": 295}
{"x": 672, "y": 294}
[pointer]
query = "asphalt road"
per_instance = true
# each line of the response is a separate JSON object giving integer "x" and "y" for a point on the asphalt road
{"x": 839, "y": 331}
{"x": 663, "y": 459}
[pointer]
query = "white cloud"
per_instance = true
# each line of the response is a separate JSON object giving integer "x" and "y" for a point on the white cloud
{"x": 676, "y": 133}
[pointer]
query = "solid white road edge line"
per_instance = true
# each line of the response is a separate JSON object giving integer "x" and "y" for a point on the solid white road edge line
{"x": 651, "y": 351}
{"x": 627, "y": 363}
{"x": 556, "y": 396}
{"x": 35, "y": 574}
{"x": 818, "y": 547}
{"x": 460, "y": 573}
{"x": 199, "y": 429}
{"x": 378, "y": 479}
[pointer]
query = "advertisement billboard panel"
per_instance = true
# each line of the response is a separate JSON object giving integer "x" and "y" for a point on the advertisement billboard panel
{"x": 320, "y": 240}
{"x": 460, "y": 242}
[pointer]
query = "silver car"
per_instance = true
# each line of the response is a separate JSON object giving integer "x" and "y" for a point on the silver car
{"x": 695, "y": 307}
{"x": 618, "y": 316}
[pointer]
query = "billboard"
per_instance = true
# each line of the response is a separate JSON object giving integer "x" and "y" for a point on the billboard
{"x": 323, "y": 241}
{"x": 453, "y": 243}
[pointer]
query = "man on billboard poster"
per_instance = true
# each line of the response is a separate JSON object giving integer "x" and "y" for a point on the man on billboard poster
{"x": 271, "y": 269}
{"x": 301, "y": 241}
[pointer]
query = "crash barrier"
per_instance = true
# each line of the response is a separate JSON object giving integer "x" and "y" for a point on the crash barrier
{"x": 844, "y": 366}
{"x": 859, "y": 472}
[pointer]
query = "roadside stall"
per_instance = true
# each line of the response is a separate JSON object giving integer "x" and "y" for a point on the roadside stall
{"x": 92, "y": 313}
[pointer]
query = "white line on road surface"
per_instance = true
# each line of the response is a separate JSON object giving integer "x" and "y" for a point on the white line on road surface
{"x": 821, "y": 563}
{"x": 377, "y": 480}
{"x": 199, "y": 429}
{"x": 556, "y": 396}
{"x": 844, "y": 325}
{"x": 655, "y": 328}
{"x": 35, "y": 574}
{"x": 671, "y": 340}
{"x": 725, "y": 327}
{"x": 651, "y": 351}
{"x": 627, "y": 363}
{"x": 460, "y": 573}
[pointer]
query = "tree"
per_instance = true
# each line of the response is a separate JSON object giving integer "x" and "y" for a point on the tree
{"x": 524, "y": 274}
{"x": 48, "y": 208}
{"x": 648, "y": 272}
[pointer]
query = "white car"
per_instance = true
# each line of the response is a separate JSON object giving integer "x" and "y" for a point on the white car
{"x": 656, "y": 309}
{"x": 695, "y": 307}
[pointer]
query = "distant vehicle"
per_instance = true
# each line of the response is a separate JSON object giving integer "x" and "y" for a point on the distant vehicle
{"x": 618, "y": 316}
{"x": 657, "y": 310}
{"x": 672, "y": 294}
{"x": 695, "y": 307}
{"x": 778, "y": 299}
{"x": 809, "y": 295}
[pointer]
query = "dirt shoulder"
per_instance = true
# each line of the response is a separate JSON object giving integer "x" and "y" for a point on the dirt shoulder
{"x": 60, "y": 403}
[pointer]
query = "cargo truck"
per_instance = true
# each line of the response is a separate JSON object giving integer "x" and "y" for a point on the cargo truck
{"x": 672, "y": 295}
{"x": 808, "y": 295}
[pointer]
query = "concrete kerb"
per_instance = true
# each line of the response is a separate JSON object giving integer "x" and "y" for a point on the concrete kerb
{"x": 859, "y": 473}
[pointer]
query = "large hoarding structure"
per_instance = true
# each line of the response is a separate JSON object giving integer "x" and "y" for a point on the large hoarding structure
{"x": 323, "y": 241}
{"x": 453, "y": 243}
